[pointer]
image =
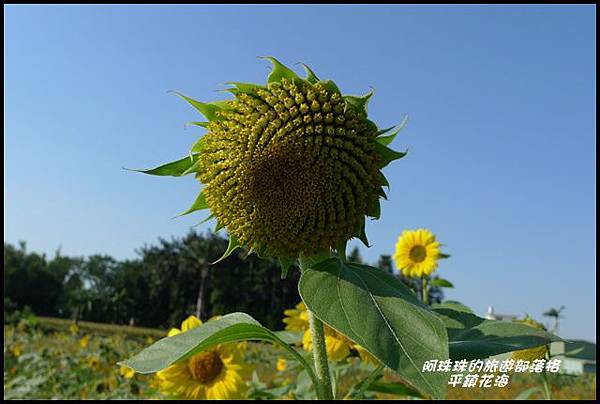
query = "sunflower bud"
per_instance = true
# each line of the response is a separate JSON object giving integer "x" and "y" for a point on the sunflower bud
{"x": 289, "y": 167}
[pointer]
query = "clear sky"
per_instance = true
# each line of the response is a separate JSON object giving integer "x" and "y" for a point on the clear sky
{"x": 501, "y": 134}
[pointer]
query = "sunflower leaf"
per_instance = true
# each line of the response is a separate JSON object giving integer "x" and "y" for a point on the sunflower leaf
{"x": 443, "y": 283}
{"x": 175, "y": 168}
{"x": 280, "y": 71}
{"x": 395, "y": 388}
{"x": 472, "y": 337}
{"x": 525, "y": 394}
{"x": 375, "y": 310}
{"x": 232, "y": 327}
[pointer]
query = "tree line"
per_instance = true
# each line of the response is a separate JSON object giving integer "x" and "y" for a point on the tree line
{"x": 162, "y": 286}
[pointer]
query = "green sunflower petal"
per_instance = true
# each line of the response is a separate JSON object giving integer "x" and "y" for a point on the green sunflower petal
{"x": 382, "y": 131}
{"x": 359, "y": 104}
{"x": 279, "y": 71}
{"x": 311, "y": 77}
{"x": 362, "y": 236}
{"x": 175, "y": 168}
{"x": 331, "y": 86}
{"x": 285, "y": 264}
{"x": 199, "y": 204}
{"x": 211, "y": 216}
{"x": 243, "y": 88}
{"x": 387, "y": 155}
{"x": 208, "y": 109}
{"x": 233, "y": 244}
{"x": 193, "y": 168}
{"x": 374, "y": 209}
{"x": 196, "y": 123}
{"x": 198, "y": 146}
{"x": 382, "y": 180}
{"x": 386, "y": 140}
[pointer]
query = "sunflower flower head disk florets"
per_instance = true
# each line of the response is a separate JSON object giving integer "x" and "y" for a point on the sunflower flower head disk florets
{"x": 291, "y": 167}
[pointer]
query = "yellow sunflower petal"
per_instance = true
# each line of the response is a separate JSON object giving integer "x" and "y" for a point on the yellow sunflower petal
{"x": 190, "y": 322}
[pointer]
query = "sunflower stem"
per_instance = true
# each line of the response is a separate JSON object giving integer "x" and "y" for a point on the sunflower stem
{"x": 323, "y": 388}
{"x": 425, "y": 290}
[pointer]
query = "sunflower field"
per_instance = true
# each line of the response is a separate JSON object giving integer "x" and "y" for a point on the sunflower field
{"x": 47, "y": 358}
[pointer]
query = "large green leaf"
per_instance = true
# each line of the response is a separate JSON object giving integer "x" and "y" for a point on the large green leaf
{"x": 525, "y": 394}
{"x": 175, "y": 168}
{"x": 452, "y": 304}
{"x": 378, "y": 312}
{"x": 398, "y": 389}
{"x": 229, "y": 328}
{"x": 473, "y": 337}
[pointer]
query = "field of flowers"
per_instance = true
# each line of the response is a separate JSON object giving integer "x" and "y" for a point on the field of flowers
{"x": 45, "y": 358}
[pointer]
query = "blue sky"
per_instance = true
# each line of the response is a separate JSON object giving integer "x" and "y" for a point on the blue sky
{"x": 501, "y": 134}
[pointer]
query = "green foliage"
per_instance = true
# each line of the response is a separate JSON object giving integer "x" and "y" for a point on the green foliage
{"x": 30, "y": 281}
{"x": 443, "y": 283}
{"x": 472, "y": 337}
{"x": 175, "y": 168}
{"x": 166, "y": 277}
{"x": 44, "y": 363}
{"x": 372, "y": 308}
{"x": 232, "y": 327}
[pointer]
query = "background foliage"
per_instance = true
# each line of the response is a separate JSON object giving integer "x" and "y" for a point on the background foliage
{"x": 161, "y": 287}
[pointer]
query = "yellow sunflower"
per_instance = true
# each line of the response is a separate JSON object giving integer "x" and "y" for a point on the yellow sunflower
{"x": 417, "y": 253}
{"x": 281, "y": 364}
{"x": 84, "y": 341}
{"x": 531, "y": 354}
{"x": 296, "y": 319}
{"x": 337, "y": 345}
{"x": 126, "y": 372}
{"x": 365, "y": 356}
{"x": 212, "y": 374}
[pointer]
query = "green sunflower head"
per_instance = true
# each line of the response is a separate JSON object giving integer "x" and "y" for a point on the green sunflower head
{"x": 290, "y": 167}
